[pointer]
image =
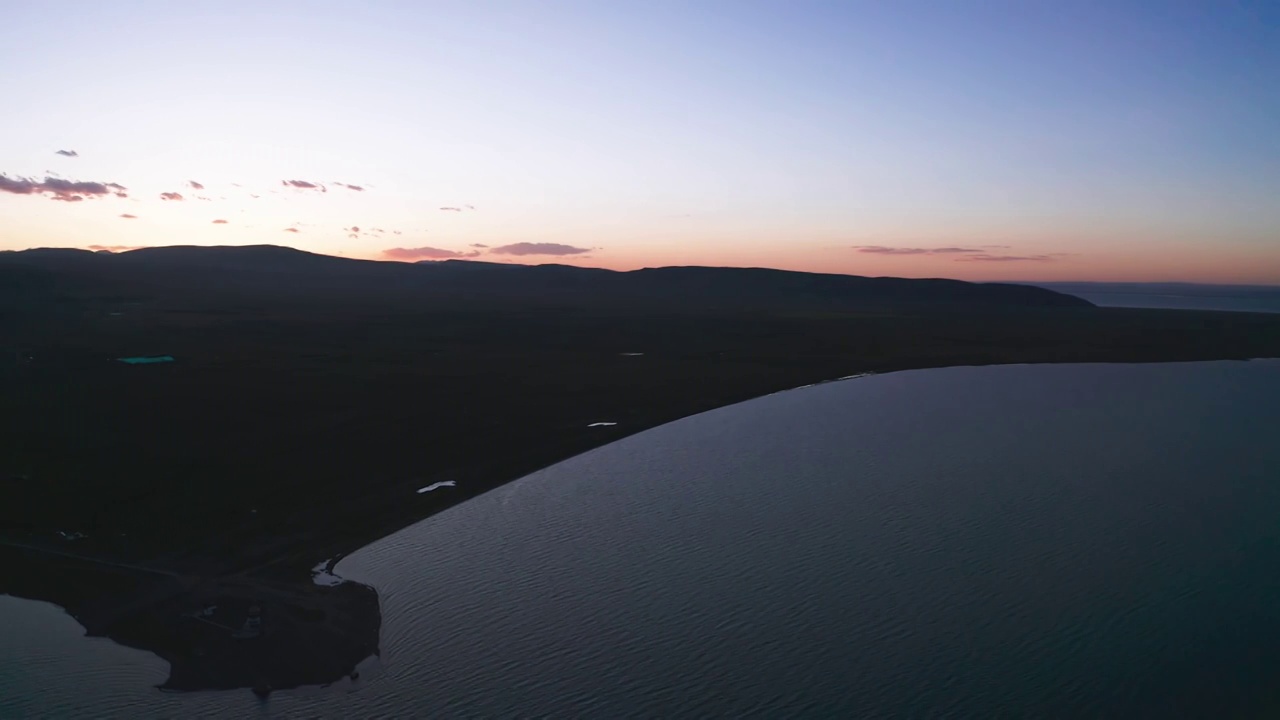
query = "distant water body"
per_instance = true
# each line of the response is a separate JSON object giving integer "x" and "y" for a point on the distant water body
{"x": 1176, "y": 296}
{"x": 1017, "y": 541}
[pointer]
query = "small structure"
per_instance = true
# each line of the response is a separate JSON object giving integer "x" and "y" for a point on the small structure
{"x": 252, "y": 625}
{"x": 146, "y": 360}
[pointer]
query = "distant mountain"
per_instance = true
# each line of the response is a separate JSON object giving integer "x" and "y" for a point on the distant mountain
{"x": 275, "y": 270}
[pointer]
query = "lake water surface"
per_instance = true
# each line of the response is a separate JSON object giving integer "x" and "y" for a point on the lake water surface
{"x": 1175, "y": 296}
{"x": 1050, "y": 541}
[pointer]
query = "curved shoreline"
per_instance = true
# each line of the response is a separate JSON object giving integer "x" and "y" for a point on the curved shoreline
{"x": 139, "y": 593}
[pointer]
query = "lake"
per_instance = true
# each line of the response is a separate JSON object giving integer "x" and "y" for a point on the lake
{"x": 1053, "y": 540}
{"x": 1175, "y": 296}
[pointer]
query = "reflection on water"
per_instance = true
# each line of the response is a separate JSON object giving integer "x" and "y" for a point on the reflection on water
{"x": 1072, "y": 541}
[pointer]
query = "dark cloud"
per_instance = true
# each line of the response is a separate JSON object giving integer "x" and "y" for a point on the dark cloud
{"x": 303, "y": 185}
{"x": 127, "y": 216}
{"x": 348, "y": 186}
{"x": 67, "y": 153}
{"x": 395, "y": 232}
{"x": 292, "y": 230}
{"x": 426, "y": 253}
{"x": 18, "y": 186}
{"x": 219, "y": 222}
{"x": 195, "y": 185}
{"x": 171, "y": 196}
{"x": 452, "y": 209}
{"x": 479, "y": 245}
{"x": 1010, "y": 258}
{"x": 59, "y": 188}
{"x": 527, "y": 248}
{"x": 884, "y": 250}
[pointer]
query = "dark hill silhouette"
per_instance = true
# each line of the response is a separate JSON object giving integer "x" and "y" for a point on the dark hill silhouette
{"x": 273, "y": 270}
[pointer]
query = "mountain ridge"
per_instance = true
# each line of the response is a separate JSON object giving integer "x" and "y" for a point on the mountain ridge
{"x": 265, "y": 268}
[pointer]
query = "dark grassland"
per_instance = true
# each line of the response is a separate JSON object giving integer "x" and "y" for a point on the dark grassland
{"x": 307, "y": 405}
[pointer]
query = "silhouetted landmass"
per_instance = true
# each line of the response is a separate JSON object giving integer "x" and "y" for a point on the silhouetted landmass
{"x": 312, "y": 396}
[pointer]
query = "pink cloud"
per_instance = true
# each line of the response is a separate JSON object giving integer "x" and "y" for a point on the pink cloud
{"x": 425, "y": 253}
{"x": 59, "y": 188}
{"x": 883, "y": 250}
{"x": 1013, "y": 258}
{"x": 527, "y": 248}
{"x": 303, "y": 185}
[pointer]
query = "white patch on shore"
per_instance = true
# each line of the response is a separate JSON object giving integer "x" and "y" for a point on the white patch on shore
{"x": 859, "y": 375}
{"x": 602, "y": 424}
{"x": 433, "y": 486}
{"x": 320, "y": 575}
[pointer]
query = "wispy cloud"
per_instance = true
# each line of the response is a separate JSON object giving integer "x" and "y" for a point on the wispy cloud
{"x": 528, "y": 248}
{"x": 885, "y": 250}
{"x": 451, "y": 209}
{"x": 59, "y": 188}
{"x": 219, "y": 222}
{"x": 292, "y": 230}
{"x": 349, "y": 186}
{"x": 479, "y": 245}
{"x": 114, "y": 248}
{"x": 67, "y": 153}
{"x": 171, "y": 196}
{"x": 127, "y": 216}
{"x": 426, "y": 253}
{"x": 1012, "y": 258}
{"x": 195, "y": 185}
{"x": 304, "y": 185}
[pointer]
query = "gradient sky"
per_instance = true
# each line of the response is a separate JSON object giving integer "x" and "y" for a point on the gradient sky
{"x": 1018, "y": 139}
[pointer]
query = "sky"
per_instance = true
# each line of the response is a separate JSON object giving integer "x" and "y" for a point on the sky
{"x": 1109, "y": 140}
